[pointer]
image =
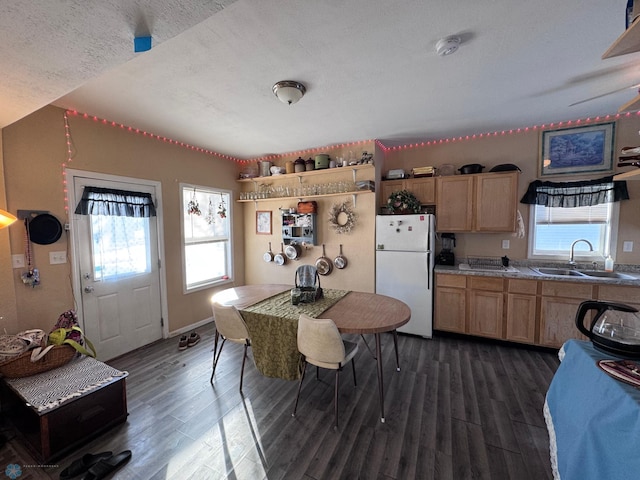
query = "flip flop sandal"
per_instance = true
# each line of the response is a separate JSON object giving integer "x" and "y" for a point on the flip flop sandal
{"x": 81, "y": 465}
{"x": 107, "y": 466}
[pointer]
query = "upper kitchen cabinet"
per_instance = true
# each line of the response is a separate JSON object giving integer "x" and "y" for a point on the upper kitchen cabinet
{"x": 454, "y": 196}
{"x": 485, "y": 202}
{"x": 423, "y": 188}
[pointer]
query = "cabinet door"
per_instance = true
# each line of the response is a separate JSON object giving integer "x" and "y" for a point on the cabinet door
{"x": 450, "y": 309}
{"x": 521, "y": 318}
{"x": 557, "y": 321}
{"x": 424, "y": 189}
{"x": 454, "y": 196}
{"x": 496, "y": 202}
{"x": 485, "y": 313}
{"x": 387, "y": 187}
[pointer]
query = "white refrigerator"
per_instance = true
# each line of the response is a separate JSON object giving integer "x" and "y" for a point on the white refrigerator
{"x": 404, "y": 266}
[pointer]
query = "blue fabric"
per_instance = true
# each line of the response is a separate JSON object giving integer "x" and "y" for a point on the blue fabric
{"x": 595, "y": 417}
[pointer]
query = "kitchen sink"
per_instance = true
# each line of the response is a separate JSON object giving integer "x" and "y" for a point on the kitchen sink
{"x": 569, "y": 272}
{"x": 601, "y": 274}
{"x": 559, "y": 272}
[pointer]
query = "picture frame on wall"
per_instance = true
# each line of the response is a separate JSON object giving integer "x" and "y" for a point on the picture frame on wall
{"x": 263, "y": 222}
{"x": 577, "y": 150}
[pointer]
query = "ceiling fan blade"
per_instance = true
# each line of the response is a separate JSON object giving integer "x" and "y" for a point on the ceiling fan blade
{"x": 605, "y": 94}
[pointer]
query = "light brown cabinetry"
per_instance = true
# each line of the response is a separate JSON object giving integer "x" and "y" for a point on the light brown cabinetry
{"x": 423, "y": 188}
{"x": 522, "y": 311}
{"x": 559, "y": 304}
{"x": 485, "y": 202}
{"x": 620, "y": 294}
{"x": 454, "y": 197}
{"x": 534, "y": 312}
{"x": 450, "y": 303}
{"x": 486, "y": 303}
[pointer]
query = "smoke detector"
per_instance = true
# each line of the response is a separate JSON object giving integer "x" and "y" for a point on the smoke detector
{"x": 447, "y": 46}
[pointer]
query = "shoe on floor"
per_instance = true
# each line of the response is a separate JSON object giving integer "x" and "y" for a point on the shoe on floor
{"x": 81, "y": 465}
{"x": 183, "y": 343}
{"x": 194, "y": 338}
{"x": 103, "y": 468}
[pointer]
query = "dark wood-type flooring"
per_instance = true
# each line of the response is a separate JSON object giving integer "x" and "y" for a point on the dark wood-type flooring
{"x": 458, "y": 409}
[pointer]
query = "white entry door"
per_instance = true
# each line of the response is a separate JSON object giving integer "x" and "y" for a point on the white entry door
{"x": 118, "y": 264}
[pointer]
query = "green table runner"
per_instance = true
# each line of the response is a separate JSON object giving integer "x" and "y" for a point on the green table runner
{"x": 273, "y": 327}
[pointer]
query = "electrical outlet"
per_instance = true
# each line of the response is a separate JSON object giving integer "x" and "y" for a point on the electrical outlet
{"x": 627, "y": 247}
{"x": 56, "y": 258}
{"x": 505, "y": 244}
{"x": 17, "y": 261}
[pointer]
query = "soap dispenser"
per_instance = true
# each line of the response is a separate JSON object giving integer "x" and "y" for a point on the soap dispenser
{"x": 608, "y": 264}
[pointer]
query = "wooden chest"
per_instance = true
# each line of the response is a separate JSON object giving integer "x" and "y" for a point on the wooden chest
{"x": 56, "y": 431}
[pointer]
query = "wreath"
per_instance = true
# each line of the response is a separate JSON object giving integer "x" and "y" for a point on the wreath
{"x": 342, "y": 217}
{"x": 403, "y": 201}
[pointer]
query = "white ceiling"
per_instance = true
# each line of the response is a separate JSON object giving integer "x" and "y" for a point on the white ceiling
{"x": 370, "y": 67}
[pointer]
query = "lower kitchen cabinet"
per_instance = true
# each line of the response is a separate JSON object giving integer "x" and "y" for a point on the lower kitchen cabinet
{"x": 486, "y": 302}
{"x": 534, "y": 312}
{"x": 522, "y": 311}
{"x": 559, "y": 304}
{"x": 450, "y": 303}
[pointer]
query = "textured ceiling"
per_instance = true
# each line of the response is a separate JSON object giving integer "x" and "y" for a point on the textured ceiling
{"x": 370, "y": 67}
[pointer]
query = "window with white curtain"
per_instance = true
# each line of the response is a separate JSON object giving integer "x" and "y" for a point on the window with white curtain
{"x": 206, "y": 236}
{"x": 554, "y": 229}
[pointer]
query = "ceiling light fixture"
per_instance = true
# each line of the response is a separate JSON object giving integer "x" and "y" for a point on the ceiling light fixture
{"x": 289, "y": 91}
{"x": 447, "y": 46}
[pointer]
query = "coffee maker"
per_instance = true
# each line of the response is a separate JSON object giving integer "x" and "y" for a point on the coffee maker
{"x": 446, "y": 256}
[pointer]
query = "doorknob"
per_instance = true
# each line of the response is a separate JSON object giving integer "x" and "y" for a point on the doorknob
{"x": 88, "y": 289}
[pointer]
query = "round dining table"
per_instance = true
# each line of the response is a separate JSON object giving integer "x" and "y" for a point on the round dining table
{"x": 356, "y": 313}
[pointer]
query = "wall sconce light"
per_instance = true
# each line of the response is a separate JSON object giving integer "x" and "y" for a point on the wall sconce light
{"x": 6, "y": 219}
{"x": 289, "y": 91}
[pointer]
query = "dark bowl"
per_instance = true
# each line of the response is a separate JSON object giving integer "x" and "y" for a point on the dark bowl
{"x": 471, "y": 168}
{"x": 505, "y": 167}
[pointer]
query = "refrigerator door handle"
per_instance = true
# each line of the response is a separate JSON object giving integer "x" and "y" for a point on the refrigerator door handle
{"x": 429, "y": 270}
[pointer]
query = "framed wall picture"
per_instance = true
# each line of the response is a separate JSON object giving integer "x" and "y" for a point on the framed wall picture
{"x": 577, "y": 150}
{"x": 263, "y": 222}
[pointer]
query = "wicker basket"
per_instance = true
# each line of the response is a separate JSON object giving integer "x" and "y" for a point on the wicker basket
{"x": 22, "y": 366}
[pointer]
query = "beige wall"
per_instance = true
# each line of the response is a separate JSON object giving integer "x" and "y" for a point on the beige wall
{"x": 34, "y": 151}
{"x": 8, "y": 309}
{"x": 358, "y": 246}
{"x": 521, "y": 149}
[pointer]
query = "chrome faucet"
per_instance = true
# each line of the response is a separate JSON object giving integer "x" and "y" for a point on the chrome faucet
{"x": 571, "y": 261}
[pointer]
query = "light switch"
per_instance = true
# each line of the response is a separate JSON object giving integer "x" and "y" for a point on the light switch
{"x": 17, "y": 261}
{"x": 505, "y": 244}
{"x": 627, "y": 247}
{"x": 56, "y": 258}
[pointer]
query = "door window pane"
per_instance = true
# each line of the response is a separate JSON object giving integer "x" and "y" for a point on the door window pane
{"x": 120, "y": 246}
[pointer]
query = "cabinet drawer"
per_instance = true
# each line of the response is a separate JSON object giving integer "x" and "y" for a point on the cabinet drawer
{"x": 455, "y": 281}
{"x": 527, "y": 287}
{"x": 486, "y": 283}
{"x": 582, "y": 291}
{"x": 614, "y": 293}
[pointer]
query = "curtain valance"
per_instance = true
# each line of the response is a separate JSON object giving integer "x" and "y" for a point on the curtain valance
{"x": 582, "y": 193}
{"x": 121, "y": 203}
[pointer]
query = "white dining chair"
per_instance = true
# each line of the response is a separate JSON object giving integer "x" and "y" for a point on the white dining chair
{"x": 230, "y": 326}
{"x": 320, "y": 343}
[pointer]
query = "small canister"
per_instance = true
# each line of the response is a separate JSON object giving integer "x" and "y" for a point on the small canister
{"x": 299, "y": 165}
{"x": 289, "y": 167}
{"x": 310, "y": 164}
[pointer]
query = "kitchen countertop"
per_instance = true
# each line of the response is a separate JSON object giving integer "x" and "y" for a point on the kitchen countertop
{"x": 527, "y": 273}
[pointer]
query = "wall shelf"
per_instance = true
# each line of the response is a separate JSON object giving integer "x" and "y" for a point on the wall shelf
{"x": 628, "y": 42}
{"x": 311, "y": 173}
{"x": 354, "y": 194}
{"x": 630, "y": 175}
